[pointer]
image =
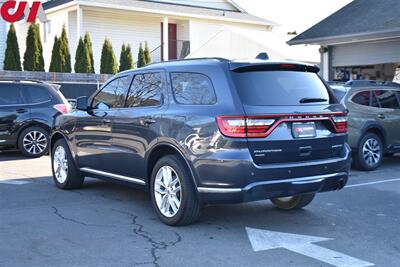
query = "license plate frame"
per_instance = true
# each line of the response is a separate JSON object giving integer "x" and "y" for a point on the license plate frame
{"x": 304, "y": 130}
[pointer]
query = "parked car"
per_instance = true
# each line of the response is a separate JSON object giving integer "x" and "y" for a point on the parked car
{"x": 374, "y": 119}
{"x": 27, "y": 113}
{"x": 208, "y": 131}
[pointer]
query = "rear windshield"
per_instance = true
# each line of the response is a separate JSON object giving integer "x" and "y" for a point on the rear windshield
{"x": 277, "y": 88}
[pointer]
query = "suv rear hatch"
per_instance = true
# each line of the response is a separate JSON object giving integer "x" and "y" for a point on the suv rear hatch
{"x": 290, "y": 114}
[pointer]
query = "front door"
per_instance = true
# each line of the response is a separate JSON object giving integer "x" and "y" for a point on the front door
{"x": 172, "y": 41}
{"x": 93, "y": 133}
{"x": 13, "y": 112}
{"x": 136, "y": 127}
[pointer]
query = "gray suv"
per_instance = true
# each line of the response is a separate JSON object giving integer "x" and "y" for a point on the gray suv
{"x": 374, "y": 119}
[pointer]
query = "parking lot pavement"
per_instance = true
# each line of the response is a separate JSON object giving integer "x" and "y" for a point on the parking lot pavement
{"x": 109, "y": 225}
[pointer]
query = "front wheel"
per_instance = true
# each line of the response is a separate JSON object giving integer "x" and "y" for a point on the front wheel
{"x": 173, "y": 192}
{"x": 65, "y": 173}
{"x": 293, "y": 203}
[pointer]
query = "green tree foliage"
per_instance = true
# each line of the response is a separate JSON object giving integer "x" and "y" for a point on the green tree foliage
{"x": 82, "y": 58}
{"x": 108, "y": 64}
{"x": 33, "y": 57}
{"x": 55, "y": 64}
{"x": 147, "y": 56}
{"x": 126, "y": 59}
{"x": 64, "y": 51}
{"x": 12, "y": 59}
{"x": 141, "y": 62}
{"x": 89, "y": 45}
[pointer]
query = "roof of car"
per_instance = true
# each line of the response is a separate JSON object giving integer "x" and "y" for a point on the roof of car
{"x": 232, "y": 64}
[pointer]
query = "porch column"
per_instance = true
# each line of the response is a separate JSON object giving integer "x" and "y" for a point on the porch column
{"x": 165, "y": 47}
{"x": 79, "y": 23}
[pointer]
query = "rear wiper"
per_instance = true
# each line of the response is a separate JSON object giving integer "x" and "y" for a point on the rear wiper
{"x": 312, "y": 100}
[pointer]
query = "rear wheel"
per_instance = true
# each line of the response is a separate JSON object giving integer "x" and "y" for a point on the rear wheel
{"x": 369, "y": 153}
{"x": 65, "y": 173}
{"x": 33, "y": 142}
{"x": 292, "y": 203}
{"x": 173, "y": 192}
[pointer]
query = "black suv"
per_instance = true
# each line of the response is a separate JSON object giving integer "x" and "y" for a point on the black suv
{"x": 207, "y": 131}
{"x": 27, "y": 113}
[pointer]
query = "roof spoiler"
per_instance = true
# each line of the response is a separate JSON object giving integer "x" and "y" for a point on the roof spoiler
{"x": 262, "y": 56}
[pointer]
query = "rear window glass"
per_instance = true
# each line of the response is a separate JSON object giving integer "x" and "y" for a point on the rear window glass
{"x": 38, "y": 94}
{"x": 273, "y": 88}
{"x": 387, "y": 99}
{"x": 193, "y": 89}
{"x": 362, "y": 98}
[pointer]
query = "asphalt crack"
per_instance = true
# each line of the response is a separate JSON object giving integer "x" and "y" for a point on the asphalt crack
{"x": 57, "y": 213}
{"x": 156, "y": 246}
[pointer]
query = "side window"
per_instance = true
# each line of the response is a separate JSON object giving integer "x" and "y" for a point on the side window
{"x": 193, "y": 89}
{"x": 387, "y": 99}
{"x": 113, "y": 95}
{"x": 11, "y": 95}
{"x": 146, "y": 90}
{"x": 38, "y": 94}
{"x": 362, "y": 98}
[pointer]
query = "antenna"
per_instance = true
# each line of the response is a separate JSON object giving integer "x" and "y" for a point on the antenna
{"x": 262, "y": 56}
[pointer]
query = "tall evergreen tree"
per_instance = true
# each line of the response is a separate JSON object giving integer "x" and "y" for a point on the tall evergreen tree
{"x": 108, "y": 64}
{"x": 82, "y": 58}
{"x": 141, "y": 62}
{"x": 126, "y": 59}
{"x": 147, "y": 56}
{"x": 89, "y": 45}
{"x": 12, "y": 59}
{"x": 33, "y": 57}
{"x": 55, "y": 64}
{"x": 64, "y": 51}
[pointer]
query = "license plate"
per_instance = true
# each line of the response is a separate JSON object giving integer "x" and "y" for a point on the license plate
{"x": 303, "y": 129}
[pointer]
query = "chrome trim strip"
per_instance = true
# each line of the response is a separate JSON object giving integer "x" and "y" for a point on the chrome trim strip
{"x": 295, "y": 181}
{"x": 114, "y": 176}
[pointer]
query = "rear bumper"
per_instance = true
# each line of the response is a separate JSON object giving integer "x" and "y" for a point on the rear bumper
{"x": 244, "y": 181}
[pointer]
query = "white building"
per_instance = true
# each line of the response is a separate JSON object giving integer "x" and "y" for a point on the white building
{"x": 173, "y": 28}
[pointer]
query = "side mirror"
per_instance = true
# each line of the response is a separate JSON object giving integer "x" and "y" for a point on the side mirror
{"x": 82, "y": 103}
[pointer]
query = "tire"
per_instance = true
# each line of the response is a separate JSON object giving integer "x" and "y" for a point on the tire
{"x": 174, "y": 207}
{"x": 33, "y": 142}
{"x": 293, "y": 203}
{"x": 369, "y": 154}
{"x": 65, "y": 176}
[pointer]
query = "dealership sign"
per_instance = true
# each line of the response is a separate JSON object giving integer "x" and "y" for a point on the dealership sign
{"x": 13, "y": 11}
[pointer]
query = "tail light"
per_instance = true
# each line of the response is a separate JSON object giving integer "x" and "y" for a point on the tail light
{"x": 63, "y": 108}
{"x": 340, "y": 123}
{"x": 241, "y": 126}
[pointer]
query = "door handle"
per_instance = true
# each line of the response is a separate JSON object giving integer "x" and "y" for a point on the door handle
{"x": 381, "y": 116}
{"x": 106, "y": 121}
{"x": 149, "y": 121}
{"x": 21, "y": 110}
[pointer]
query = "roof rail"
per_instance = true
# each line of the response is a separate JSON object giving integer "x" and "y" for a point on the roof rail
{"x": 191, "y": 59}
{"x": 21, "y": 80}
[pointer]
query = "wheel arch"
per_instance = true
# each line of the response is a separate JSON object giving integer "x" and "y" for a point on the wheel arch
{"x": 376, "y": 129}
{"x": 30, "y": 124}
{"x": 161, "y": 150}
{"x": 57, "y": 135}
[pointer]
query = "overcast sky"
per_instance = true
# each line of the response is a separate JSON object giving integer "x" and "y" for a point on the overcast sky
{"x": 292, "y": 15}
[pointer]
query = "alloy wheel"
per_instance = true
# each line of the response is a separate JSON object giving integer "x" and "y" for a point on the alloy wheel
{"x": 167, "y": 191}
{"x": 60, "y": 164}
{"x": 34, "y": 142}
{"x": 371, "y": 152}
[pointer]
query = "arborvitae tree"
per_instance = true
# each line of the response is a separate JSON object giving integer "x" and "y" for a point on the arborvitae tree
{"x": 89, "y": 45}
{"x": 12, "y": 59}
{"x": 33, "y": 57}
{"x": 82, "y": 58}
{"x": 108, "y": 60}
{"x": 126, "y": 59}
{"x": 147, "y": 57}
{"x": 64, "y": 51}
{"x": 55, "y": 64}
{"x": 141, "y": 62}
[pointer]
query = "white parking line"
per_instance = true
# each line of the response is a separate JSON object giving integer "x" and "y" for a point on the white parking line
{"x": 16, "y": 182}
{"x": 371, "y": 183}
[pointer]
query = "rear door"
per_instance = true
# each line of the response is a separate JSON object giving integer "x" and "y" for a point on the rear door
{"x": 387, "y": 112}
{"x": 14, "y": 112}
{"x": 291, "y": 115}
